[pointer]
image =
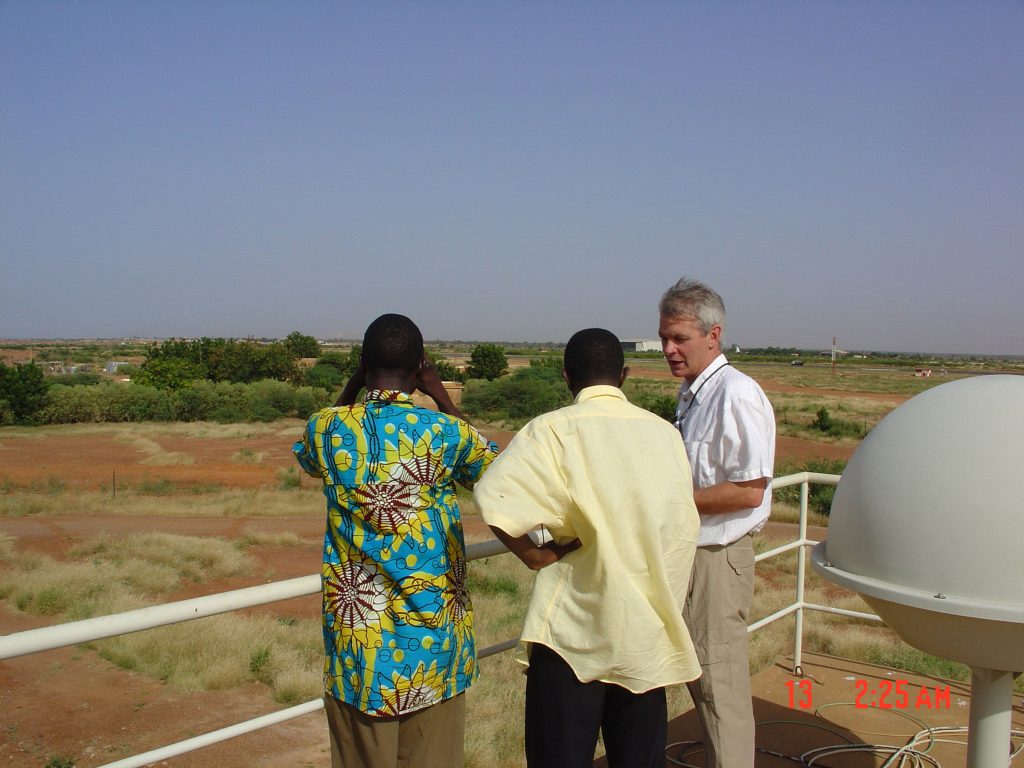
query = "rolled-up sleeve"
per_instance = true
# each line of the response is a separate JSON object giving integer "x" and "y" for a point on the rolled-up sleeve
{"x": 744, "y": 451}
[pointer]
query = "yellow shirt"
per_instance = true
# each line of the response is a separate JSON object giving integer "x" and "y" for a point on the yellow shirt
{"x": 616, "y": 477}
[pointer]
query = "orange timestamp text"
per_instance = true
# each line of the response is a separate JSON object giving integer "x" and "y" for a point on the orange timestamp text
{"x": 878, "y": 694}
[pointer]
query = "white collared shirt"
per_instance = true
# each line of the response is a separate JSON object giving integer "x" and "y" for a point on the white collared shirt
{"x": 728, "y": 428}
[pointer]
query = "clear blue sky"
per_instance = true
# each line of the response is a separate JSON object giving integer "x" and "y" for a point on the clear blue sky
{"x": 514, "y": 170}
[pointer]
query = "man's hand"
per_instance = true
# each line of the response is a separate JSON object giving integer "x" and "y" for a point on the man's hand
{"x": 355, "y": 383}
{"x": 535, "y": 557}
{"x": 547, "y": 554}
{"x": 428, "y": 381}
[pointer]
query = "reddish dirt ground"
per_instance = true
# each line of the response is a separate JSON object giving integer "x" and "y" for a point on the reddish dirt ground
{"x": 69, "y": 702}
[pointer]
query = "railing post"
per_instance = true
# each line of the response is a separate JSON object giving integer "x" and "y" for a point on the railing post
{"x": 798, "y": 634}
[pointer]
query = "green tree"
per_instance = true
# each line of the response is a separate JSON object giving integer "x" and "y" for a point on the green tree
{"x": 515, "y": 399}
{"x": 300, "y": 345}
{"x": 197, "y": 352}
{"x": 231, "y": 360}
{"x": 243, "y": 362}
{"x": 168, "y": 373}
{"x": 343, "y": 363}
{"x": 487, "y": 361}
{"x": 23, "y": 390}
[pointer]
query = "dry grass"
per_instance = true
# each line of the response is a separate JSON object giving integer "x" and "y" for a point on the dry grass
{"x": 110, "y": 575}
{"x": 794, "y": 413}
{"x": 163, "y": 499}
{"x": 252, "y": 537}
{"x": 155, "y": 454}
{"x": 222, "y": 652}
{"x": 287, "y": 429}
{"x": 787, "y": 513}
{"x": 246, "y": 456}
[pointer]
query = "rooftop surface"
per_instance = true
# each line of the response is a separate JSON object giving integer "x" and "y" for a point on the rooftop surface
{"x": 843, "y": 702}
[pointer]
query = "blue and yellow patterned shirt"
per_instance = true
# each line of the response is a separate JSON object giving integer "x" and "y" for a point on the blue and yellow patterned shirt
{"x": 397, "y": 619}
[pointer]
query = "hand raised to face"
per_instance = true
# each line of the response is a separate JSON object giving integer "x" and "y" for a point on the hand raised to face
{"x": 428, "y": 380}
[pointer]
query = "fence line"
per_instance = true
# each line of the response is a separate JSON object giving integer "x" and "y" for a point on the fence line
{"x": 86, "y": 630}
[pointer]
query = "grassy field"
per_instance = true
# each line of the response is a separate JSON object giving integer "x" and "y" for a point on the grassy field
{"x": 104, "y": 574}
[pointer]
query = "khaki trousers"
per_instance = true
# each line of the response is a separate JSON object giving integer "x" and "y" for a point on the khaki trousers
{"x": 427, "y": 738}
{"x": 716, "y": 613}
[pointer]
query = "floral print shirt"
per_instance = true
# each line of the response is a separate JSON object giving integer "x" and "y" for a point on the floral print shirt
{"x": 397, "y": 619}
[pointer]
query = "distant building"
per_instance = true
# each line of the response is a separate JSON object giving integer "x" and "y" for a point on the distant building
{"x": 640, "y": 345}
{"x": 113, "y": 365}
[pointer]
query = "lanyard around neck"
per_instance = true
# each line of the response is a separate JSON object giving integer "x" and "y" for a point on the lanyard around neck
{"x": 693, "y": 398}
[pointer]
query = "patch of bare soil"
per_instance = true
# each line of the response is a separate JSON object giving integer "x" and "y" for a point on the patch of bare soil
{"x": 102, "y": 460}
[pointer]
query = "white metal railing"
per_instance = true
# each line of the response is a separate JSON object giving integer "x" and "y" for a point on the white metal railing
{"x": 802, "y": 543}
{"x": 86, "y": 630}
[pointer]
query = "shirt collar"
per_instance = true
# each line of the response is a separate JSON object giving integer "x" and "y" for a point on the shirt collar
{"x": 685, "y": 391}
{"x": 387, "y": 396}
{"x": 599, "y": 390}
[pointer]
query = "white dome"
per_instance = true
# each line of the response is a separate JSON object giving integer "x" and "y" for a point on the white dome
{"x": 929, "y": 515}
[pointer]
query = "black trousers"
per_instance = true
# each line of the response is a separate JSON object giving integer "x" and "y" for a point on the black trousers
{"x": 564, "y": 716}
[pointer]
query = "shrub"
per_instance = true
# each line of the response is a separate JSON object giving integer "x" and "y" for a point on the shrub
{"x": 289, "y": 479}
{"x": 819, "y": 496}
{"x": 197, "y": 402}
{"x": 71, "y": 405}
{"x": 203, "y": 401}
{"x": 310, "y": 399}
{"x": 231, "y": 403}
{"x": 324, "y": 376}
{"x": 74, "y": 379}
{"x": 517, "y": 398}
{"x": 659, "y": 405}
{"x": 118, "y": 402}
{"x": 823, "y": 422}
{"x": 270, "y": 400}
{"x": 6, "y": 413}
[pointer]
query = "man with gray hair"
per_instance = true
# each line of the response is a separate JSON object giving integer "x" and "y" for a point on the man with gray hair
{"x": 728, "y": 427}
